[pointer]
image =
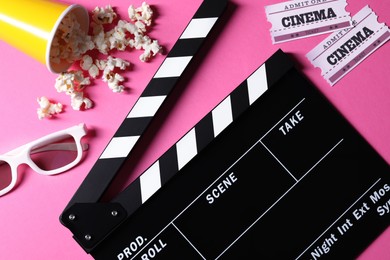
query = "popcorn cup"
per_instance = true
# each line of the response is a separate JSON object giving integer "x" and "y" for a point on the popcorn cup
{"x": 30, "y": 26}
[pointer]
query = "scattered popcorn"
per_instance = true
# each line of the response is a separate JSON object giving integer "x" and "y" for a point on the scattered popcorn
{"x": 103, "y": 15}
{"x": 78, "y": 100}
{"x": 129, "y": 27}
{"x": 99, "y": 38}
{"x": 101, "y": 64}
{"x": 116, "y": 63}
{"x": 87, "y": 64}
{"x": 93, "y": 71}
{"x": 73, "y": 83}
{"x": 151, "y": 48}
{"x": 72, "y": 44}
{"x": 116, "y": 38}
{"x": 47, "y": 109}
{"x": 114, "y": 79}
{"x": 143, "y": 13}
{"x": 126, "y": 34}
{"x": 140, "y": 26}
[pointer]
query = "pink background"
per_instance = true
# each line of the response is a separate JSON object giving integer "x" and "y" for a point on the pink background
{"x": 29, "y": 225}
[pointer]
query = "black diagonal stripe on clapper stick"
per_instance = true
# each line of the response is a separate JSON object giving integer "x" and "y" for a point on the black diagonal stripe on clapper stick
{"x": 134, "y": 125}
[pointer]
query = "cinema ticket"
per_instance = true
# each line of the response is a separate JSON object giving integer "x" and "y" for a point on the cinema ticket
{"x": 343, "y": 50}
{"x": 298, "y": 19}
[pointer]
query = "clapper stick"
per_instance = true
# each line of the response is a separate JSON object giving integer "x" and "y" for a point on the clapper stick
{"x": 151, "y": 99}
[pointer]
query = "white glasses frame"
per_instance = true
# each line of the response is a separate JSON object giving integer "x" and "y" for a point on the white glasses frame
{"x": 21, "y": 155}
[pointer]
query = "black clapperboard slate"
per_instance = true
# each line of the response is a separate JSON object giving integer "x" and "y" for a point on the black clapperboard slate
{"x": 290, "y": 178}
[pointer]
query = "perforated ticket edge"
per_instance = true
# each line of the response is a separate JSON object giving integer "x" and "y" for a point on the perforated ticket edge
{"x": 332, "y": 73}
{"x": 281, "y": 12}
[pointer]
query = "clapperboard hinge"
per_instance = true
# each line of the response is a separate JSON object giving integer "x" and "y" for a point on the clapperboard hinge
{"x": 90, "y": 223}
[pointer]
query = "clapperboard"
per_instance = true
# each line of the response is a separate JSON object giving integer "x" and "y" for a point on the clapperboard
{"x": 274, "y": 171}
